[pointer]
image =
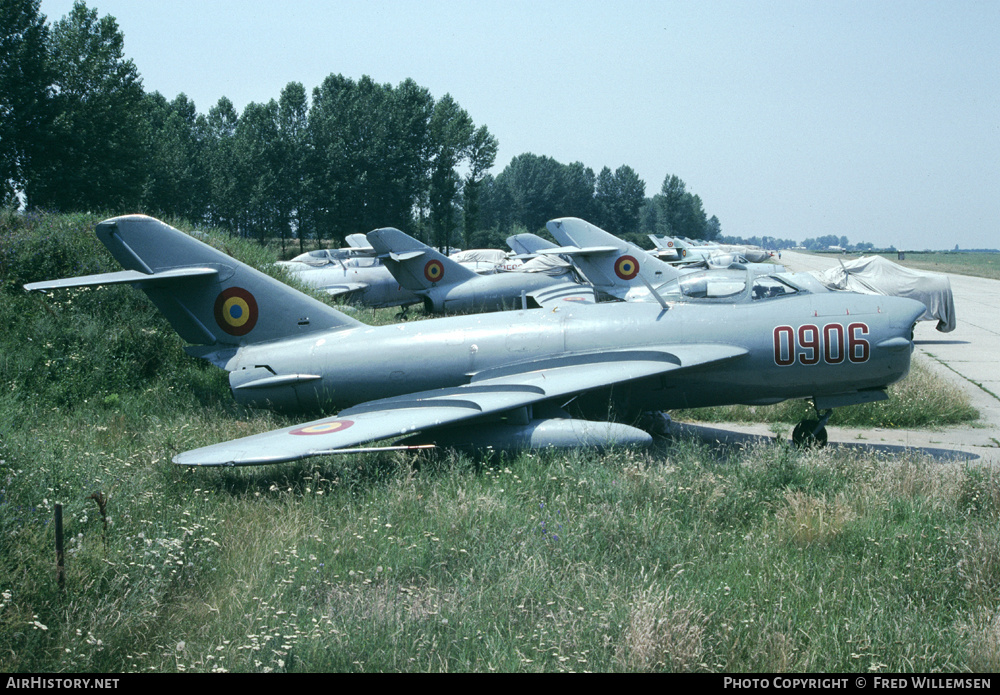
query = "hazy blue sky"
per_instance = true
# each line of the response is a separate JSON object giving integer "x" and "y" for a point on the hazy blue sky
{"x": 875, "y": 120}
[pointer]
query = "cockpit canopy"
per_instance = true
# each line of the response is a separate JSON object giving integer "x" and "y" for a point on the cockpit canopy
{"x": 726, "y": 285}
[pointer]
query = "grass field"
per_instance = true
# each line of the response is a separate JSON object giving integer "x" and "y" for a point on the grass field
{"x": 676, "y": 558}
{"x": 984, "y": 265}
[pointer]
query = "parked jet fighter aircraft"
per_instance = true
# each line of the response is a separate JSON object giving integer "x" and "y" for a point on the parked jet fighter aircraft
{"x": 709, "y": 254}
{"x": 445, "y": 285}
{"x": 357, "y": 245}
{"x": 614, "y": 266}
{"x": 357, "y": 276}
{"x": 352, "y": 274}
{"x": 363, "y": 280}
{"x": 498, "y": 379}
{"x": 621, "y": 269}
{"x": 666, "y": 249}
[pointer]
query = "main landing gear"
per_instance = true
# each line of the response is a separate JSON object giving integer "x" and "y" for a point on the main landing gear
{"x": 810, "y": 433}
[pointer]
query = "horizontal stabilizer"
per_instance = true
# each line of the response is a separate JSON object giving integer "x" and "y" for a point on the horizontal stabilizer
{"x": 406, "y": 256}
{"x": 415, "y": 265}
{"x": 577, "y": 251}
{"x": 129, "y": 277}
{"x": 359, "y": 243}
{"x": 528, "y": 244}
{"x": 344, "y": 288}
{"x": 209, "y": 297}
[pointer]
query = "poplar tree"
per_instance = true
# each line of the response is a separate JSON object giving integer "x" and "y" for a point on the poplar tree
{"x": 25, "y": 94}
{"x": 96, "y": 156}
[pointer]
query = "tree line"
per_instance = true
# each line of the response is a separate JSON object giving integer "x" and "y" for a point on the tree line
{"x": 79, "y": 132}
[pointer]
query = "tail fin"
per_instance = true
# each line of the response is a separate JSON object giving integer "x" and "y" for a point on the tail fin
{"x": 528, "y": 244}
{"x": 209, "y": 297}
{"x": 608, "y": 262}
{"x": 667, "y": 249}
{"x": 358, "y": 243}
{"x": 415, "y": 265}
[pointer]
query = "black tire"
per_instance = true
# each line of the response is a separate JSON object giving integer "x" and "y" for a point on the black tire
{"x": 802, "y": 435}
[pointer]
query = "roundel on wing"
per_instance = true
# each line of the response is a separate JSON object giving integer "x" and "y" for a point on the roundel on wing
{"x": 434, "y": 271}
{"x": 327, "y": 427}
{"x": 670, "y": 244}
{"x": 626, "y": 267}
{"x": 236, "y": 311}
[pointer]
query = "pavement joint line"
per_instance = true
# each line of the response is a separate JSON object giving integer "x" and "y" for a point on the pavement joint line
{"x": 948, "y": 366}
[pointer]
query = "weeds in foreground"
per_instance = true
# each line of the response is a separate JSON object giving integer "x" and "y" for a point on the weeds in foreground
{"x": 674, "y": 559}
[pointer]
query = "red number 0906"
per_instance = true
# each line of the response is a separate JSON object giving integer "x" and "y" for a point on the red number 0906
{"x": 812, "y": 344}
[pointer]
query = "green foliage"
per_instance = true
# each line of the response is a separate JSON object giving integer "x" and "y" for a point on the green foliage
{"x": 95, "y": 155}
{"x": 619, "y": 198}
{"x": 534, "y": 189}
{"x": 178, "y": 181}
{"x": 25, "y": 97}
{"x": 376, "y": 129}
{"x": 679, "y": 212}
{"x": 36, "y": 247}
{"x": 674, "y": 560}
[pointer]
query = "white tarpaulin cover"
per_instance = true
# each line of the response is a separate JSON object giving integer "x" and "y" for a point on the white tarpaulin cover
{"x": 876, "y": 275}
{"x": 494, "y": 256}
{"x": 550, "y": 265}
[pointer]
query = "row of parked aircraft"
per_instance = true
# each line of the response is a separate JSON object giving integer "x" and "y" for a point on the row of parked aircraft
{"x": 706, "y": 253}
{"x": 389, "y": 268}
{"x": 559, "y": 370}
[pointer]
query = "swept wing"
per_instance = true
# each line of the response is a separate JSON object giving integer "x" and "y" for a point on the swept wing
{"x": 488, "y": 393}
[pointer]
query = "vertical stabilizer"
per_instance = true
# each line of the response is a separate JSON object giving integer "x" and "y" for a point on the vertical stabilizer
{"x": 611, "y": 264}
{"x": 235, "y": 305}
{"x": 415, "y": 265}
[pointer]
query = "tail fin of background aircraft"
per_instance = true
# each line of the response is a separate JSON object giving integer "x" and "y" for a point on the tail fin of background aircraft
{"x": 608, "y": 262}
{"x": 209, "y": 297}
{"x": 528, "y": 244}
{"x": 358, "y": 242}
{"x": 415, "y": 265}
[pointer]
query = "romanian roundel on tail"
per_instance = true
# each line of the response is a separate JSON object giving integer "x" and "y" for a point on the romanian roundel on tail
{"x": 209, "y": 297}
{"x": 415, "y": 265}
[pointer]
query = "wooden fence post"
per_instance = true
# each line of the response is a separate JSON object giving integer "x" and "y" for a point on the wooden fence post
{"x": 60, "y": 570}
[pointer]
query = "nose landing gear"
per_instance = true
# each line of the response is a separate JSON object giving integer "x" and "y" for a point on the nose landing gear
{"x": 810, "y": 433}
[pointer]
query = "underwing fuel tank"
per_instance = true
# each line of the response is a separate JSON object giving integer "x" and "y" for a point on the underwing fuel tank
{"x": 536, "y": 434}
{"x": 262, "y": 387}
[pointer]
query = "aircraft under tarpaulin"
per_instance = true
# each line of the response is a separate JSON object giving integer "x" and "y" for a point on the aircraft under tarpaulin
{"x": 878, "y": 275}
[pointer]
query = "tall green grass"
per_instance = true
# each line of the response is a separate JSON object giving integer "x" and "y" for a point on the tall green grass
{"x": 676, "y": 559}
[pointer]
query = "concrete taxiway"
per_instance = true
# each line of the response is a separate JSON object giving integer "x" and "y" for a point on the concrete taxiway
{"x": 967, "y": 357}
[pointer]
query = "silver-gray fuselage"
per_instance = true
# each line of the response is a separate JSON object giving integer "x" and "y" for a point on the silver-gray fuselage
{"x": 376, "y": 287}
{"x": 488, "y": 292}
{"x": 799, "y": 346}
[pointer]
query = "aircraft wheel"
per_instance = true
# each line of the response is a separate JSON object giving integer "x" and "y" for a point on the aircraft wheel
{"x": 802, "y": 435}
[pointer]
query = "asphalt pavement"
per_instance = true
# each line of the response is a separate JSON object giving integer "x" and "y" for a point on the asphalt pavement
{"x": 967, "y": 357}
